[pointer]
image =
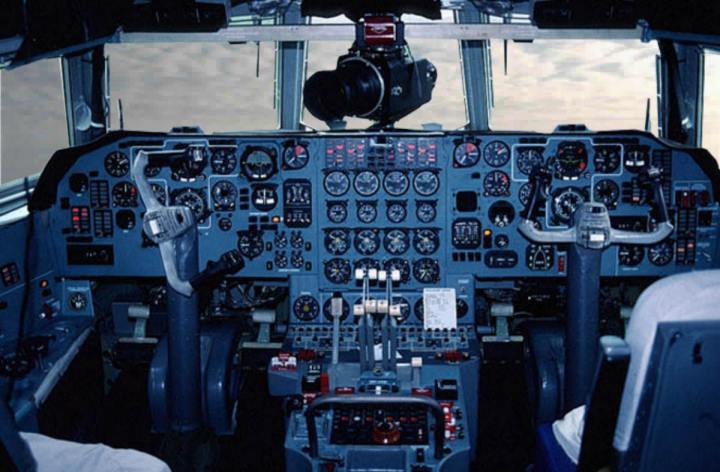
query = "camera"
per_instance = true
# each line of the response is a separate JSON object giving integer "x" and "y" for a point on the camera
{"x": 378, "y": 79}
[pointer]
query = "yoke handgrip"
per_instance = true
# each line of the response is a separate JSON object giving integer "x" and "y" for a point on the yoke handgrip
{"x": 375, "y": 400}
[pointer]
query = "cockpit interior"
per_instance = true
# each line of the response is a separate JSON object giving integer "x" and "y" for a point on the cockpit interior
{"x": 375, "y": 299}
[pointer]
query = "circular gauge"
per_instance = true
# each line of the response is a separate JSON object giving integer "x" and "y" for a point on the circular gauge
{"x": 661, "y": 254}
{"x": 337, "y": 241}
{"x": 159, "y": 192}
{"x": 224, "y": 194}
{"x": 250, "y": 243}
{"x": 366, "y": 183}
{"x": 461, "y": 308}
{"x": 152, "y": 171}
{"x": 399, "y": 264}
{"x": 524, "y": 194}
{"x": 296, "y": 259}
{"x": 280, "y": 259}
{"x": 426, "y": 241}
{"x": 496, "y": 184}
{"x": 396, "y": 212}
{"x": 191, "y": 166}
{"x": 223, "y": 160}
{"x": 496, "y": 154}
{"x": 636, "y": 158}
{"x": 193, "y": 200}
{"x": 344, "y": 311}
{"x": 571, "y": 160}
{"x": 606, "y": 192}
{"x": 366, "y": 212}
{"x": 338, "y": 271}
{"x": 426, "y": 183}
{"x": 264, "y": 197}
{"x": 419, "y": 309}
{"x": 528, "y": 159}
{"x": 295, "y": 157}
{"x": 117, "y": 164}
{"x": 396, "y": 242}
{"x": 426, "y": 270}
{"x": 606, "y": 159}
{"x": 425, "y": 212}
{"x": 367, "y": 242}
{"x": 125, "y": 219}
{"x": 337, "y": 212}
{"x": 396, "y": 183}
{"x": 404, "y": 309}
{"x": 566, "y": 202}
{"x": 501, "y": 213}
{"x": 225, "y": 224}
{"x": 630, "y": 255}
{"x": 77, "y": 301}
{"x": 124, "y": 194}
{"x": 258, "y": 163}
{"x": 336, "y": 183}
{"x": 306, "y": 308}
{"x": 466, "y": 155}
{"x": 540, "y": 257}
{"x": 366, "y": 263}
{"x": 502, "y": 241}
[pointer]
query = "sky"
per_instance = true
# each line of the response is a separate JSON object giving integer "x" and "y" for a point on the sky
{"x": 602, "y": 84}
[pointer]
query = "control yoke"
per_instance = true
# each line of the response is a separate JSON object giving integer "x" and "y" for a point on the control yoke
{"x": 591, "y": 222}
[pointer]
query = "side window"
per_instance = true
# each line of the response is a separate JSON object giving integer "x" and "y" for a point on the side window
{"x": 711, "y": 106}
{"x": 32, "y": 118}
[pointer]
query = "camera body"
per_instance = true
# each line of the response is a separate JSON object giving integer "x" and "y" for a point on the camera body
{"x": 378, "y": 79}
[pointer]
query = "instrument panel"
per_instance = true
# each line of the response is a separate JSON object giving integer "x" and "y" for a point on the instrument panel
{"x": 442, "y": 208}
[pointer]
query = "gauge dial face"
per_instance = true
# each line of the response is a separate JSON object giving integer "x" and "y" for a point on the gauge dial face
{"x": 630, "y": 255}
{"x": 396, "y": 242}
{"x": 306, "y": 308}
{"x": 367, "y": 242}
{"x": 250, "y": 243}
{"x": 540, "y": 257}
{"x": 337, "y": 241}
{"x": 337, "y": 212}
{"x": 566, "y": 202}
{"x": 159, "y": 192}
{"x": 366, "y": 183}
{"x": 328, "y": 309}
{"x": 295, "y": 157}
{"x": 571, "y": 160}
{"x": 338, "y": 271}
{"x": 258, "y": 164}
{"x": 466, "y": 155}
{"x": 661, "y": 254}
{"x": 336, "y": 183}
{"x": 496, "y": 154}
{"x": 191, "y": 199}
{"x": 525, "y": 193}
{"x": 366, "y": 212}
{"x": 606, "y": 159}
{"x": 419, "y": 309}
{"x": 280, "y": 259}
{"x": 223, "y": 160}
{"x": 461, "y": 308}
{"x": 224, "y": 194}
{"x": 426, "y": 183}
{"x": 117, "y": 164}
{"x": 501, "y": 214}
{"x": 152, "y": 171}
{"x": 296, "y": 259}
{"x": 636, "y": 158}
{"x": 124, "y": 194}
{"x": 404, "y": 308}
{"x": 425, "y": 212}
{"x": 366, "y": 263}
{"x": 606, "y": 192}
{"x": 402, "y": 265}
{"x": 396, "y": 212}
{"x": 426, "y": 270}
{"x": 426, "y": 241}
{"x": 396, "y": 183}
{"x": 496, "y": 184}
{"x": 529, "y": 158}
{"x": 264, "y": 197}
{"x": 77, "y": 301}
{"x": 191, "y": 166}
{"x": 225, "y": 224}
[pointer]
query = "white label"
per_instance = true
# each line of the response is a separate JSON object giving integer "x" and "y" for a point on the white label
{"x": 440, "y": 310}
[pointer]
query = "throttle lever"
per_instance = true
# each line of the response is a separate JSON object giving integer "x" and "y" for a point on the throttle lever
{"x": 541, "y": 177}
{"x": 229, "y": 263}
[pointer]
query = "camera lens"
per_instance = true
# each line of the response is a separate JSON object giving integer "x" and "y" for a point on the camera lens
{"x": 355, "y": 88}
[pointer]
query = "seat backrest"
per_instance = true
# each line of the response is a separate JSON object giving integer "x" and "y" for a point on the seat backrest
{"x": 677, "y": 421}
